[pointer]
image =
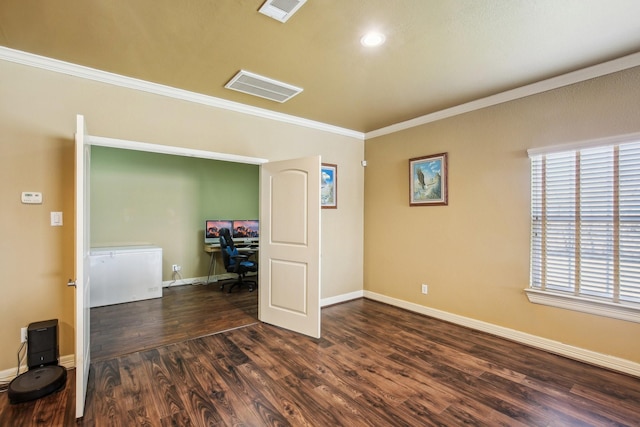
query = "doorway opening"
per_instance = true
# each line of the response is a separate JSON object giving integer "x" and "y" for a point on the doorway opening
{"x": 148, "y": 194}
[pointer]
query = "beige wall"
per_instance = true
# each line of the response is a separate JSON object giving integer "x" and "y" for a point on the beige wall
{"x": 474, "y": 253}
{"x": 37, "y": 123}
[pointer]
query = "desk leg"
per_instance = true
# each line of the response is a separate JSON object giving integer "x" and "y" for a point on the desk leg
{"x": 212, "y": 266}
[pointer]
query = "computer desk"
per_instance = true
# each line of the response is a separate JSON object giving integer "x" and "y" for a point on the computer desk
{"x": 215, "y": 249}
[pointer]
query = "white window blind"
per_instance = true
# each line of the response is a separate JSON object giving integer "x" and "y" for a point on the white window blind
{"x": 585, "y": 223}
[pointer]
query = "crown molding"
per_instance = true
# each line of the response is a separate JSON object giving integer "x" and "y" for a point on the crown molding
{"x": 588, "y": 73}
{"x": 57, "y": 66}
{"x": 32, "y": 60}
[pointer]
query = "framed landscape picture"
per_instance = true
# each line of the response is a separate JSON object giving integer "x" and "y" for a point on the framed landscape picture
{"x": 329, "y": 186}
{"x": 428, "y": 180}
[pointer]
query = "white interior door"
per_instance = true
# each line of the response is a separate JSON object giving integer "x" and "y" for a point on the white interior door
{"x": 289, "y": 267}
{"x": 82, "y": 262}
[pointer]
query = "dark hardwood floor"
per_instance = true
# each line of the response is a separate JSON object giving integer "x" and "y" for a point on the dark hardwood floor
{"x": 183, "y": 313}
{"x": 376, "y": 365}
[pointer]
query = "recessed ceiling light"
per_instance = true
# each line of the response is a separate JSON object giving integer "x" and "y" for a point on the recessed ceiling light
{"x": 372, "y": 39}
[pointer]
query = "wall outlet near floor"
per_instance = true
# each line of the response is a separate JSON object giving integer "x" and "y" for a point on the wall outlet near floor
{"x": 176, "y": 267}
{"x": 23, "y": 334}
{"x": 425, "y": 288}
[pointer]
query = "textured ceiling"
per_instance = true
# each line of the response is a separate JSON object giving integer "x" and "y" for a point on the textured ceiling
{"x": 438, "y": 53}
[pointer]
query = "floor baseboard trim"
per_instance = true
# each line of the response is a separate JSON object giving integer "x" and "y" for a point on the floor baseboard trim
{"x": 556, "y": 347}
{"x": 189, "y": 281}
{"x": 341, "y": 298}
{"x": 201, "y": 280}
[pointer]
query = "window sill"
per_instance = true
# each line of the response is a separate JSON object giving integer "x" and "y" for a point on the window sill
{"x": 628, "y": 312}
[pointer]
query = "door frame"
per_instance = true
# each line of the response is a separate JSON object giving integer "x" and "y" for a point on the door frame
{"x": 81, "y": 270}
{"x": 90, "y": 140}
{"x": 170, "y": 149}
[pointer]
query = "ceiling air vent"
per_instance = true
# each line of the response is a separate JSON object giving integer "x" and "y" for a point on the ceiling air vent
{"x": 281, "y": 10}
{"x": 261, "y": 86}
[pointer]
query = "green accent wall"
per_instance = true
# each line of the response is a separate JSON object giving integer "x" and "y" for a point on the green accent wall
{"x": 160, "y": 199}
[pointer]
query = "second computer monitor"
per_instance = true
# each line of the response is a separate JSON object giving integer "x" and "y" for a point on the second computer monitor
{"x": 246, "y": 231}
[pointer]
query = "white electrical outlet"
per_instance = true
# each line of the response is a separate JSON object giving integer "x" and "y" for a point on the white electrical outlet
{"x": 23, "y": 334}
{"x": 176, "y": 267}
{"x": 425, "y": 288}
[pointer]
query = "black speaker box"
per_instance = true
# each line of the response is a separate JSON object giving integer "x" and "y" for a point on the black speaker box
{"x": 42, "y": 343}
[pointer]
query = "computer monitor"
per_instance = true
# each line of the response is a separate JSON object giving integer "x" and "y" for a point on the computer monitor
{"x": 246, "y": 230}
{"x": 212, "y": 229}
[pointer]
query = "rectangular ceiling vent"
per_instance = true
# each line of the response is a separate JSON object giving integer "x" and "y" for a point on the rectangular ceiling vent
{"x": 261, "y": 86}
{"x": 281, "y": 10}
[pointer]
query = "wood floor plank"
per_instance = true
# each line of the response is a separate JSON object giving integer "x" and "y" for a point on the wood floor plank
{"x": 137, "y": 385}
{"x": 109, "y": 409}
{"x": 215, "y": 392}
{"x": 249, "y": 400}
{"x": 309, "y": 375}
{"x": 616, "y": 400}
{"x": 51, "y": 409}
{"x": 274, "y": 393}
{"x": 168, "y": 401}
{"x": 471, "y": 388}
{"x": 215, "y": 379}
{"x": 346, "y": 409}
{"x": 199, "y": 407}
{"x": 268, "y": 361}
{"x": 475, "y": 413}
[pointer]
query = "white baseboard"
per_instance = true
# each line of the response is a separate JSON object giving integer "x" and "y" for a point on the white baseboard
{"x": 201, "y": 280}
{"x": 187, "y": 281}
{"x": 556, "y": 347}
{"x": 195, "y": 280}
{"x": 341, "y": 298}
{"x": 7, "y": 375}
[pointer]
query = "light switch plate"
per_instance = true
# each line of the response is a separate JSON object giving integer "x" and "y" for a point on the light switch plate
{"x": 31, "y": 197}
{"x": 56, "y": 219}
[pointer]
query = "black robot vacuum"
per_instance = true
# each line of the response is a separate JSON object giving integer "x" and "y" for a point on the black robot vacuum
{"x": 37, "y": 383}
{"x": 44, "y": 375}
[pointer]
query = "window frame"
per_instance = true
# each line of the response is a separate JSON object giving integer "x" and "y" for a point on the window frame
{"x": 607, "y": 307}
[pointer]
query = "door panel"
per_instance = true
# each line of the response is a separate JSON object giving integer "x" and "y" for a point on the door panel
{"x": 284, "y": 184}
{"x": 290, "y": 245}
{"x": 283, "y": 295}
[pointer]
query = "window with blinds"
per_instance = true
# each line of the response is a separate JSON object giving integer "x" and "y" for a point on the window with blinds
{"x": 585, "y": 222}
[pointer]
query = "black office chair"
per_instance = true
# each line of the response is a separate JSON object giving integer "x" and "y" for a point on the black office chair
{"x": 235, "y": 262}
